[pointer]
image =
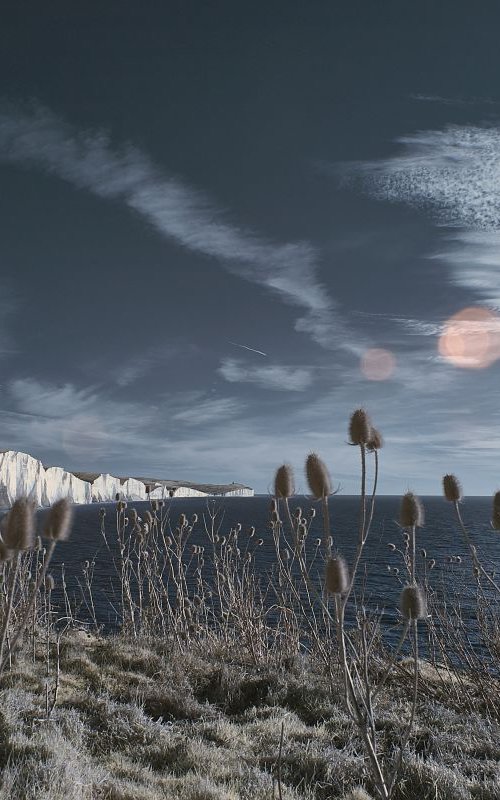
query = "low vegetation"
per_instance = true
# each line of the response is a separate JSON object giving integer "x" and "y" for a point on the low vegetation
{"x": 224, "y": 682}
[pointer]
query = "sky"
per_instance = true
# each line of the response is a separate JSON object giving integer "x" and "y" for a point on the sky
{"x": 225, "y": 226}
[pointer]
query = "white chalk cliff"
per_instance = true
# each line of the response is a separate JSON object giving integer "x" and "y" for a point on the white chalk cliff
{"x": 22, "y": 475}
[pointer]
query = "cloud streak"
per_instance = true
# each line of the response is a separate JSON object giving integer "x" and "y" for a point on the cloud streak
{"x": 34, "y": 136}
{"x": 273, "y": 376}
{"x": 453, "y": 174}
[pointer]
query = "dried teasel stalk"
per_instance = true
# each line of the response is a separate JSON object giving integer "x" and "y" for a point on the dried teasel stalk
{"x": 19, "y": 530}
{"x": 452, "y": 489}
{"x": 412, "y": 602}
{"x": 360, "y": 428}
{"x": 411, "y": 513}
{"x": 336, "y": 575}
{"x": 495, "y": 517}
{"x": 318, "y": 477}
{"x": 58, "y": 522}
{"x": 284, "y": 485}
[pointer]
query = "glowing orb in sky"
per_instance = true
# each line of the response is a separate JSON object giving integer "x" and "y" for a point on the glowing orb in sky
{"x": 377, "y": 364}
{"x": 471, "y": 338}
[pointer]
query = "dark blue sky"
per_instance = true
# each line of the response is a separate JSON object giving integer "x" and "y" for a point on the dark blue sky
{"x": 311, "y": 180}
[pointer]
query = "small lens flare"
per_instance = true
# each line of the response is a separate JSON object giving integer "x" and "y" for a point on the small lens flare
{"x": 471, "y": 338}
{"x": 377, "y": 364}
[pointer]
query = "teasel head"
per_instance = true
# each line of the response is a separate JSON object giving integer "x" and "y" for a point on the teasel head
{"x": 5, "y": 553}
{"x": 49, "y": 583}
{"x": 19, "y": 530}
{"x": 452, "y": 489}
{"x": 133, "y": 516}
{"x": 284, "y": 485}
{"x": 317, "y": 477}
{"x": 375, "y": 441}
{"x": 148, "y": 518}
{"x": 495, "y": 517}
{"x": 59, "y": 519}
{"x": 154, "y": 505}
{"x": 412, "y": 602}
{"x": 337, "y": 575}
{"x": 411, "y": 511}
{"x": 360, "y": 429}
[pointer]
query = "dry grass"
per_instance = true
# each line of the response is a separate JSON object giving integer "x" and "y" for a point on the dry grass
{"x": 137, "y": 721}
{"x": 227, "y": 683}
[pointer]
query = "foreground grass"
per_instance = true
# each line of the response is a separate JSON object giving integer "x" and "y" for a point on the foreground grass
{"x": 138, "y": 722}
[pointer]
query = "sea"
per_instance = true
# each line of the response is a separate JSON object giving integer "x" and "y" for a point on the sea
{"x": 442, "y": 554}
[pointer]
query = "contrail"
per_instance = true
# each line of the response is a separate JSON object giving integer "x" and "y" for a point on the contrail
{"x": 253, "y": 350}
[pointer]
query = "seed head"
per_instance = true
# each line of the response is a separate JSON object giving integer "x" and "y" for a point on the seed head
{"x": 452, "y": 489}
{"x": 495, "y": 518}
{"x": 49, "y": 583}
{"x": 5, "y": 553}
{"x": 411, "y": 512}
{"x": 19, "y": 532}
{"x": 283, "y": 481}
{"x": 412, "y": 602}
{"x": 375, "y": 442}
{"x": 59, "y": 519}
{"x": 148, "y": 518}
{"x": 317, "y": 476}
{"x": 336, "y": 575}
{"x": 360, "y": 429}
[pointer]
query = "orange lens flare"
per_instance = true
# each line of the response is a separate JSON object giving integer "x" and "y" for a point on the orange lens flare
{"x": 377, "y": 364}
{"x": 471, "y": 338}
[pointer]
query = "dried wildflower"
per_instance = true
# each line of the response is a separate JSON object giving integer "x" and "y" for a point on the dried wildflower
{"x": 182, "y": 521}
{"x": 5, "y": 553}
{"x": 49, "y": 583}
{"x": 317, "y": 476}
{"x": 336, "y": 575}
{"x": 452, "y": 489}
{"x": 283, "y": 481}
{"x": 375, "y": 441}
{"x": 411, "y": 512}
{"x": 19, "y": 530}
{"x": 148, "y": 518}
{"x": 194, "y": 519}
{"x": 495, "y": 517}
{"x": 391, "y": 546}
{"x": 412, "y": 602}
{"x": 59, "y": 519}
{"x": 133, "y": 516}
{"x": 360, "y": 429}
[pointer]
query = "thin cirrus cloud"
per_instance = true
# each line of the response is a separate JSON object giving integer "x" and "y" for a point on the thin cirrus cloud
{"x": 454, "y": 174}
{"x": 34, "y": 136}
{"x": 272, "y": 376}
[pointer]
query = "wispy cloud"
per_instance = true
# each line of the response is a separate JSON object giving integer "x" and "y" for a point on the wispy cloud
{"x": 34, "y": 136}
{"x": 273, "y": 376}
{"x": 454, "y": 101}
{"x": 453, "y": 174}
{"x": 204, "y": 411}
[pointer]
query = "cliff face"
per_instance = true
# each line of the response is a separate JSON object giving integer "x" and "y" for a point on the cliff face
{"x": 21, "y": 475}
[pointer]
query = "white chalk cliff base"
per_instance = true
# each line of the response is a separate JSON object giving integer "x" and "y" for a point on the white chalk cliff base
{"x": 22, "y": 475}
